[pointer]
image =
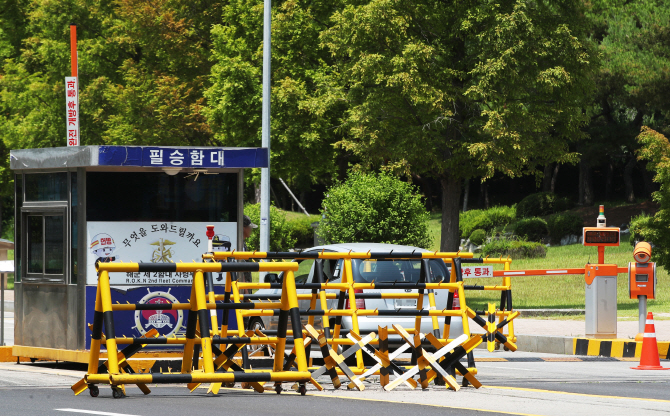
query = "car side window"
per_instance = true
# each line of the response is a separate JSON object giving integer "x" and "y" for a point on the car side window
{"x": 304, "y": 270}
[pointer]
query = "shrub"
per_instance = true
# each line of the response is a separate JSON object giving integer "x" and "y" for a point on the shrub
{"x": 487, "y": 219}
{"x": 377, "y": 208}
{"x": 540, "y": 204}
{"x": 562, "y": 224}
{"x": 302, "y": 231}
{"x": 638, "y": 225}
{"x": 515, "y": 249}
{"x": 281, "y": 235}
{"x": 532, "y": 229}
{"x": 478, "y": 237}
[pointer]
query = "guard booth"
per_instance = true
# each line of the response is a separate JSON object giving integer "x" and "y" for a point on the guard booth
{"x": 78, "y": 205}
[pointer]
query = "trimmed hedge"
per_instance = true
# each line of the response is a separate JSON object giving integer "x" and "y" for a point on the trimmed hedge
{"x": 485, "y": 219}
{"x": 637, "y": 226}
{"x": 541, "y": 204}
{"x": 514, "y": 249}
{"x": 478, "y": 237}
{"x": 532, "y": 229}
{"x": 281, "y": 237}
{"x": 563, "y": 224}
{"x": 374, "y": 208}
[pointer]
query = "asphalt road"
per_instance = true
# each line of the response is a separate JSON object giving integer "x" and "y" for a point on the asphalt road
{"x": 514, "y": 383}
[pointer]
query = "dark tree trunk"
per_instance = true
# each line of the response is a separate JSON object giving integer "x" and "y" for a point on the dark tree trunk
{"x": 546, "y": 179}
{"x": 554, "y": 177}
{"x": 628, "y": 179}
{"x": 466, "y": 195}
{"x": 608, "y": 181}
{"x": 585, "y": 184}
{"x": 451, "y": 196}
{"x": 427, "y": 190}
{"x": 483, "y": 195}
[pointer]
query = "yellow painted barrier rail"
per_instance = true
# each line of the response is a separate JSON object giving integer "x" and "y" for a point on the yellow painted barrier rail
{"x": 198, "y": 319}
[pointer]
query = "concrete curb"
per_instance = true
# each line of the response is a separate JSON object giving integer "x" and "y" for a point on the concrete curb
{"x": 616, "y": 348}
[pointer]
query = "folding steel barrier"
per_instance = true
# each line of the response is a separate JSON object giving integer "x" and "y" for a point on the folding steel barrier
{"x": 197, "y": 319}
{"x": 347, "y": 289}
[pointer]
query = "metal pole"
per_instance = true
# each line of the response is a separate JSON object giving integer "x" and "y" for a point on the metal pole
{"x": 2, "y": 309}
{"x": 293, "y": 196}
{"x": 642, "y": 312}
{"x": 265, "y": 172}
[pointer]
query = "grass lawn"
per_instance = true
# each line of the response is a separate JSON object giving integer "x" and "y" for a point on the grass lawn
{"x": 564, "y": 292}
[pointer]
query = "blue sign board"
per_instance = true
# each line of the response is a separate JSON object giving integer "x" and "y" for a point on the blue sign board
{"x": 167, "y": 322}
{"x": 183, "y": 157}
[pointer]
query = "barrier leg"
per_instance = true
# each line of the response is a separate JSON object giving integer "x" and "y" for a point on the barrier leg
{"x": 106, "y": 295}
{"x": 108, "y": 317}
{"x": 191, "y": 326}
{"x": 329, "y": 363}
{"x": 96, "y": 335}
{"x": 205, "y": 340}
{"x": 384, "y": 350}
{"x": 212, "y": 312}
{"x": 385, "y": 362}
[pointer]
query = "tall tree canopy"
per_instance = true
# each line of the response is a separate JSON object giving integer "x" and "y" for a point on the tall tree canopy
{"x": 458, "y": 89}
{"x": 302, "y": 141}
{"x": 632, "y": 86}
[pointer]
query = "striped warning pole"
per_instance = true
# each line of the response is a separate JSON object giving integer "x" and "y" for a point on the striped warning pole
{"x": 649, "y": 358}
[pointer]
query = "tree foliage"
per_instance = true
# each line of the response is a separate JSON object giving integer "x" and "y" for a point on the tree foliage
{"x": 656, "y": 151}
{"x": 458, "y": 89}
{"x": 376, "y": 208}
{"x": 302, "y": 141}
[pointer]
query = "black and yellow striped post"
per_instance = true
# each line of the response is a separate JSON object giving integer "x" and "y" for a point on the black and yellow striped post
{"x": 496, "y": 333}
{"x": 329, "y": 363}
{"x": 384, "y": 351}
{"x": 191, "y": 326}
{"x": 96, "y": 336}
{"x": 201, "y": 305}
{"x": 106, "y": 296}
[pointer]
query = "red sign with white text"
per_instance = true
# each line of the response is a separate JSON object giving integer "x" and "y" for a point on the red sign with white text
{"x": 72, "y": 110}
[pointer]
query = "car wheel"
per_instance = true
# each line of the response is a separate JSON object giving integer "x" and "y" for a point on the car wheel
{"x": 256, "y": 349}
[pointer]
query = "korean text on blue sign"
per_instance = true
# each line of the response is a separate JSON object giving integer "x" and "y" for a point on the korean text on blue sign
{"x": 182, "y": 158}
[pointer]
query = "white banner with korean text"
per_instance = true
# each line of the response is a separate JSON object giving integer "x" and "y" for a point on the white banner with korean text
{"x": 475, "y": 270}
{"x": 72, "y": 110}
{"x": 152, "y": 242}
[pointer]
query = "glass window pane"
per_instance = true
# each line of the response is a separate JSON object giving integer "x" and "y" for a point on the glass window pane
{"x": 156, "y": 196}
{"x": 303, "y": 271}
{"x": 53, "y": 242}
{"x": 35, "y": 244}
{"x": 46, "y": 186}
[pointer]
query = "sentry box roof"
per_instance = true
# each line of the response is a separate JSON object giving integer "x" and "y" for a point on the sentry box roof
{"x": 139, "y": 157}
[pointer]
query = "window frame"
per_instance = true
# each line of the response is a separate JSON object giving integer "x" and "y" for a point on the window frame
{"x": 44, "y": 211}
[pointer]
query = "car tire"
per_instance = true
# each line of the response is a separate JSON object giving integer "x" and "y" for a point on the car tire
{"x": 254, "y": 324}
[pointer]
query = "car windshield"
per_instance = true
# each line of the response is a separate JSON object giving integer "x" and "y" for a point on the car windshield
{"x": 369, "y": 271}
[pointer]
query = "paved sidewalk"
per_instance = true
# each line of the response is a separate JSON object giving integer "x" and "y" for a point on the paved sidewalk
{"x": 570, "y": 328}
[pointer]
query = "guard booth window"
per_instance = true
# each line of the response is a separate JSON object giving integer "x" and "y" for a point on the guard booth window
{"x": 45, "y": 257}
{"x": 156, "y": 196}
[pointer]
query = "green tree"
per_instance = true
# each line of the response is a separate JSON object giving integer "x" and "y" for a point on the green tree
{"x": 302, "y": 142}
{"x": 656, "y": 151}
{"x": 375, "y": 208}
{"x": 632, "y": 87}
{"x": 454, "y": 90}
